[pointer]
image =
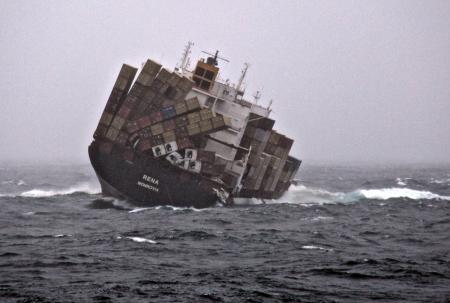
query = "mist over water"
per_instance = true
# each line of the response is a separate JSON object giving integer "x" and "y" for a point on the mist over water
{"x": 344, "y": 234}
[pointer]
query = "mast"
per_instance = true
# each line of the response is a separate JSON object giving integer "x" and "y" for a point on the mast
{"x": 257, "y": 96}
{"x": 241, "y": 79}
{"x": 185, "y": 58}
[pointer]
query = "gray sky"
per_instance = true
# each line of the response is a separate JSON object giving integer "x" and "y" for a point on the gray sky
{"x": 351, "y": 80}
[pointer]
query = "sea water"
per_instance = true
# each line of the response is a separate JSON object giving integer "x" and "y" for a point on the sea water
{"x": 343, "y": 234}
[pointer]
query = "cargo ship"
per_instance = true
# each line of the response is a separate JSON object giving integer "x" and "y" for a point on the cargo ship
{"x": 188, "y": 138}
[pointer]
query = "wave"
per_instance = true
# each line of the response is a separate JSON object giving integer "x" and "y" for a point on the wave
{"x": 307, "y": 196}
{"x": 311, "y": 247}
{"x": 110, "y": 203}
{"x": 85, "y": 187}
{"x": 390, "y": 193}
{"x": 141, "y": 240}
{"x": 138, "y": 210}
{"x": 440, "y": 181}
{"x": 170, "y": 207}
{"x": 401, "y": 182}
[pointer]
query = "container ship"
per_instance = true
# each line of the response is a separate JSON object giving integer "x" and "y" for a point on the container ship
{"x": 188, "y": 138}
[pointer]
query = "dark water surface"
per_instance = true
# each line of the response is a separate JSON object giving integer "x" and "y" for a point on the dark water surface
{"x": 346, "y": 234}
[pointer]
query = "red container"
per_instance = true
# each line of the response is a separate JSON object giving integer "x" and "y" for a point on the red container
{"x": 124, "y": 112}
{"x": 122, "y": 138}
{"x": 156, "y": 117}
{"x": 132, "y": 127}
{"x": 184, "y": 143}
{"x": 144, "y": 122}
{"x": 169, "y": 125}
{"x": 144, "y": 144}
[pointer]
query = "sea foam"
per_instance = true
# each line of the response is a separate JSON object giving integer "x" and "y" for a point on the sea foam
{"x": 395, "y": 192}
{"x": 301, "y": 194}
{"x": 141, "y": 240}
{"x": 77, "y": 188}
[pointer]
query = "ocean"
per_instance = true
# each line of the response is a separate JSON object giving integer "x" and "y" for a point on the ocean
{"x": 343, "y": 234}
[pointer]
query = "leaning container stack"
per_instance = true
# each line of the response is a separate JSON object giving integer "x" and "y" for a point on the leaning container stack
{"x": 151, "y": 118}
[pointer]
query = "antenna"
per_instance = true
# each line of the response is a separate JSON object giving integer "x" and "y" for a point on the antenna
{"x": 213, "y": 60}
{"x": 270, "y": 104}
{"x": 241, "y": 79}
{"x": 257, "y": 96}
{"x": 185, "y": 58}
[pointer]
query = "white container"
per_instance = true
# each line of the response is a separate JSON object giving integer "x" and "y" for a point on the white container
{"x": 190, "y": 154}
{"x": 159, "y": 150}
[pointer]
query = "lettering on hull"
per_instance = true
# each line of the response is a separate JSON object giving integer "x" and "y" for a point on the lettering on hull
{"x": 150, "y": 183}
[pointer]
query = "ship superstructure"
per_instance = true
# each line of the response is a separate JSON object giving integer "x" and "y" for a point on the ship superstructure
{"x": 188, "y": 138}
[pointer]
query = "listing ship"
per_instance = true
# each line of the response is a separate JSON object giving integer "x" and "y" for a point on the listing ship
{"x": 188, "y": 138}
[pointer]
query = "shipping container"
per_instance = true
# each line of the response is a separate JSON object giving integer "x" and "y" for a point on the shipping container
{"x": 144, "y": 145}
{"x": 217, "y": 122}
{"x": 144, "y": 122}
{"x": 124, "y": 112}
{"x": 168, "y": 112}
{"x": 193, "y": 117}
{"x": 192, "y": 104}
{"x": 122, "y": 138}
{"x": 157, "y": 129}
{"x": 118, "y": 122}
{"x": 181, "y": 108}
{"x": 190, "y": 154}
{"x": 205, "y": 125}
{"x": 205, "y": 114}
{"x": 193, "y": 129}
{"x": 158, "y": 150}
{"x": 169, "y": 136}
{"x": 112, "y": 133}
{"x": 171, "y": 146}
{"x": 174, "y": 158}
{"x": 206, "y": 156}
{"x": 132, "y": 127}
{"x": 156, "y": 117}
{"x": 158, "y": 139}
{"x": 169, "y": 125}
{"x": 185, "y": 84}
{"x": 106, "y": 118}
{"x": 184, "y": 143}
{"x": 181, "y": 121}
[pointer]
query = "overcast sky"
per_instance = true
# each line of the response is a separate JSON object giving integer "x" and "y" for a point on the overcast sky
{"x": 350, "y": 80}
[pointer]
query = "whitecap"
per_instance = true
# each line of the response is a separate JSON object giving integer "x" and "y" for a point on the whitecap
{"x": 29, "y": 213}
{"x": 442, "y": 181}
{"x": 77, "y": 188}
{"x": 247, "y": 201}
{"x": 137, "y": 210}
{"x": 400, "y": 182}
{"x": 308, "y": 196}
{"x": 321, "y": 218}
{"x": 315, "y": 247}
{"x": 62, "y": 235}
{"x": 141, "y": 240}
{"x": 390, "y": 193}
{"x": 178, "y": 208}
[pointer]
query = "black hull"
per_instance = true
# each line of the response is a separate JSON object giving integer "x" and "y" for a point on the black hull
{"x": 151, "y": 182}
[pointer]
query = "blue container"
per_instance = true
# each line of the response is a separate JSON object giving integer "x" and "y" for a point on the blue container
{"x": 168, "y": 112}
